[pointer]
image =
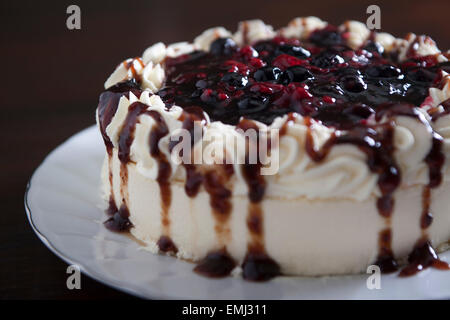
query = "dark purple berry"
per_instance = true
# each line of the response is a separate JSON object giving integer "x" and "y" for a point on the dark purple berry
{"x": 296, "y": 74}
{"x": 421, "y": 75}
{"x": 223, "y": 47}
{"x": 416, "y": 94}
{"x": 383, "y": 71}
{"x": 235, "y": 79}
{"x": 359, "y": 110}
{"x": 353, "y": 83}
{"x": 326, "y": 38}
{"x": 295, "y": 51}
{"x": 201, "y": 84}
{"x": 252, "y": 104}
{"x": 125, "y": 86}
{"x": 372, "y": 46}
{"x": 267, "y": 74}
{"x": 348, "y": 72}
{"x": 343, "y": 116}
{"x": 327, "y": 59}
{"x": 267, "y": 45}
{"x": 196, "y": 93}
{"x": 331, "y": 90}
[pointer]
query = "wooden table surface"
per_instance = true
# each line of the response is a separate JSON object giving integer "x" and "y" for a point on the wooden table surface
{"x": 54, "y": 76}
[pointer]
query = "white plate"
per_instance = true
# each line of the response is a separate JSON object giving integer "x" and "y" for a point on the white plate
{"x": 63, "y": 206}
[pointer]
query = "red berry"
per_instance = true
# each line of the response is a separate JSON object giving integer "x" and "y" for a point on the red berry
{"x": 284, "y": 61}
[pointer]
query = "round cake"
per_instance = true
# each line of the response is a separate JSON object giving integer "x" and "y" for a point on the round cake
{"x": 311, "y": 150}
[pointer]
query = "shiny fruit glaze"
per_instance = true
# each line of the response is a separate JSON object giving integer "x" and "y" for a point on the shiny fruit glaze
{"x": 321, "y": 78}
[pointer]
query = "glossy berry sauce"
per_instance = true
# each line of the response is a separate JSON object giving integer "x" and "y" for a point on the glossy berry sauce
{"x": 320, "y": 78}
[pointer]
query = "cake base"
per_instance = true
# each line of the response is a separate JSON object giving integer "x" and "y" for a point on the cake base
{"x": 304, "y": 237}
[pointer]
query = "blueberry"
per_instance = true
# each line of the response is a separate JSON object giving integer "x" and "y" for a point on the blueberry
{"x": 445, "y": 66}
{"x": 331, "y": 90}
{"x": 415, "y": 94}
{"x": 223, "y": 47}
{"x": 267, "y": 74}
{"x": 125, "y": 86}
{"x": 235, "y": 79}
{"x": 201, "y": 84}
{"x": 325, "y": 38}
{"x": 327, "y": 59}
{"x": 373, "y": 46}
{"x": 296, "y": 74}
{"x": 196, "y": 93}
{"x": 295, "y": 51}
{"x": 383, "y": 71}
{"x": 353, "y": 83}
{"x": 342, "y": 116}
{"x": 348, "y": 72}
{"x": 267, "y": 45}
{"x": 421, "y": 75}
{"x": 252, "y": 104}
{"x": 359, "y": 110}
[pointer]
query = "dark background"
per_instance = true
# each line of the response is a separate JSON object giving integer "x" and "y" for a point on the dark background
{"x": 52, "y": 76}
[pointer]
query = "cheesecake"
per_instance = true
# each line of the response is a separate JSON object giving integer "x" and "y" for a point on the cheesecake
{"x": 310, "y": 150}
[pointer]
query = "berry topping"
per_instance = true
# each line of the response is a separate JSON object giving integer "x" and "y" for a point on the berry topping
{"x": 327, "y": 59}
{"x": 296, "y": 74}
{"x": 326, "y": 37}
{"x": 331, "y": 90}
{"x": 234, "y": 79}
{"x": 295, "y": 51}
{"x": 267, "y": 74}
{"x": 284, "y": 61}
{"x": 252, "y": 104}
{"x": 421, "y": 75}
{"x": 374, "y": 47}
{"x": 353, "y": 83}
{"x": 319, "y": 77}
{"x": 383, "y": 71}
{"x": 223, "y": 46}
